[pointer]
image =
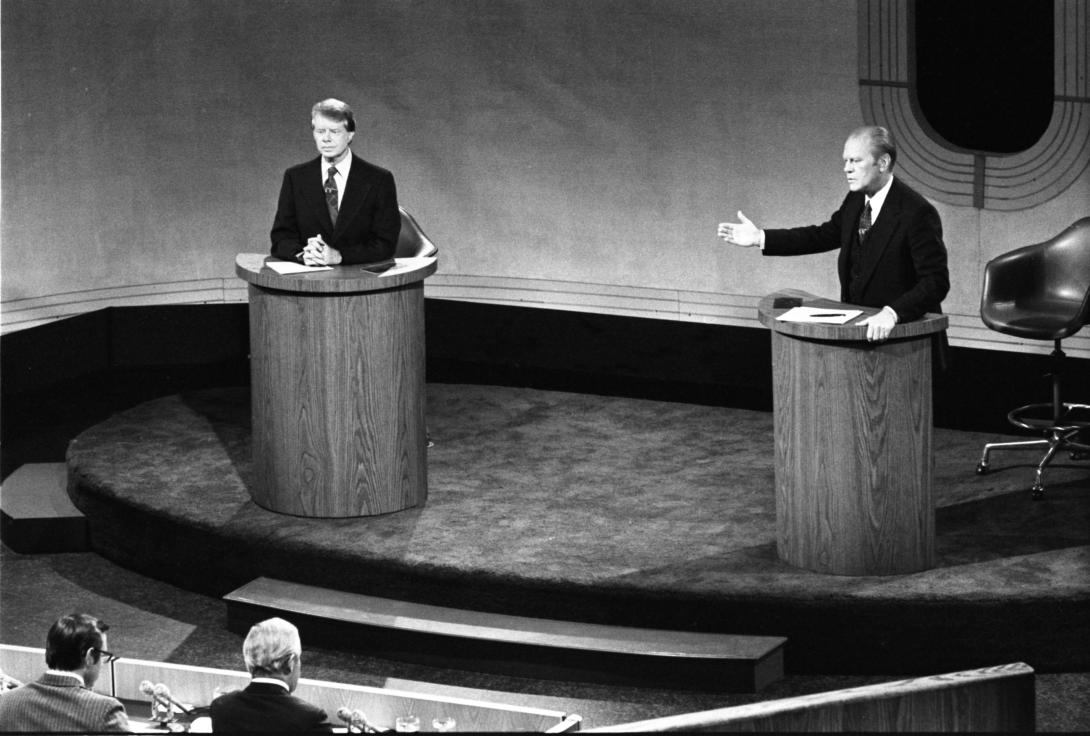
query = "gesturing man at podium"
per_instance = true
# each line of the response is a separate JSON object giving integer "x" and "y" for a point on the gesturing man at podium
{"x": 892, "y": 255}
{"x": 336, "y": 208}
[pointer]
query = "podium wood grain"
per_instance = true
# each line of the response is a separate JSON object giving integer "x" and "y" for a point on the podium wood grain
{"x": 338, "y": 387}
{"x": 853, "y": 458}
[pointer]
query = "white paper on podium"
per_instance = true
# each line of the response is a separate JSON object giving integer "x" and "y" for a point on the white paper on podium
{"x": 286, "y": 267}
{"x": 819, "y": 314}
{"x": 407, "y": 264}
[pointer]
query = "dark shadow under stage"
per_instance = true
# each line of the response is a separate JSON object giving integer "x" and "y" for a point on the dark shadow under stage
{"x": 610, "y": 510}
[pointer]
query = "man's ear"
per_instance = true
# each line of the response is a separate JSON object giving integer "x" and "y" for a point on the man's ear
{"x": 90, "y": 657}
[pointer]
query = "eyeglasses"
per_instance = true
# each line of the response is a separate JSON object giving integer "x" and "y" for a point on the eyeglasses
{"x": 110, "y": 657}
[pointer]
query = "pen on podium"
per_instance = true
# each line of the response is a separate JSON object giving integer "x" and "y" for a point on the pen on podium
{"x": 828, "y": 314}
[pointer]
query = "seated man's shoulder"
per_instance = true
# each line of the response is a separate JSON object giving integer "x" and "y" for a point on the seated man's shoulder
{"x": 37, "y": 706}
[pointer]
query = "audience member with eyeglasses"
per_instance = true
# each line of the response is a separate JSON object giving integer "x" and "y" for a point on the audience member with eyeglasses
{"x": 62, "y": 699}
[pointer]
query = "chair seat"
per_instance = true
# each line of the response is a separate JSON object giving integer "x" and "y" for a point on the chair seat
{"x": 1035, "y": 318}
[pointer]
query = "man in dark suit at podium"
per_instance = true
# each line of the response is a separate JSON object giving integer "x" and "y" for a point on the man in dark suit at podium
{"x": 336, "y": 208}
{"x": 892, "y": 255}
{"x": 272, "y": 651}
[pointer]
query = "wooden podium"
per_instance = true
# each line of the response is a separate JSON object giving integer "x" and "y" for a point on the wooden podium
{"x": 852, "y": 425}
{"x": 338, "y": 388}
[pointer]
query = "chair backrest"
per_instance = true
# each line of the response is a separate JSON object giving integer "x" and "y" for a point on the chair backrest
{"x": 412, "y": 242}
{"x": 1040, "y": 291}
{"x": 1067, "y": 264}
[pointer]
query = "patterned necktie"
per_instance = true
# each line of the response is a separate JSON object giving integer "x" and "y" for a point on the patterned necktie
{"x": 331, "y": 194}
{"x": 864, "y": 223}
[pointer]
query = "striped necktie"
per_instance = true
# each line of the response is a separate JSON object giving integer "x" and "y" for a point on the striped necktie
{"x": 864, "y": 223}
{"x": 331, "y": 194}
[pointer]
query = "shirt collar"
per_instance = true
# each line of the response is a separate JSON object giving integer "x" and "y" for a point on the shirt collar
{"x": 879, "y": 199}
{"x": 342, "y": 167}
{"x": 270, "y": 681}
{"x": 66, "y": 673}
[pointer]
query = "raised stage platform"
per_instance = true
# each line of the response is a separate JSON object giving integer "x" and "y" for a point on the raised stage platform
{"x": 607, "y": 510}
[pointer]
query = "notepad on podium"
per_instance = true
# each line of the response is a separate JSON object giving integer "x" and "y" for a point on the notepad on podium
{"x": 823, "y": 315}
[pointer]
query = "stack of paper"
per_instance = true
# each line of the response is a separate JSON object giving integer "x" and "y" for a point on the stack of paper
{"x": 820, "y": 314}
{"x": 286, "y": 267}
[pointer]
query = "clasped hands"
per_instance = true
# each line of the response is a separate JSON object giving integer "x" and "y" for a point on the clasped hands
{"x": 317, "y": 253}
{"x": 747, "y": 235}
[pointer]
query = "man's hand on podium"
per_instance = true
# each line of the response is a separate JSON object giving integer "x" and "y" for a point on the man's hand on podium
{"x": 880, "y": 325}
{"x": 317, "y": 253}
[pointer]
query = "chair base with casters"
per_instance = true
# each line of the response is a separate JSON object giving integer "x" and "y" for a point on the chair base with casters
{"x": 1062, "y": 430}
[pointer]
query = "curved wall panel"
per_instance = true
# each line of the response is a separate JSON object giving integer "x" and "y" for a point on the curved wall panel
{"x": 965, "y": 178}
{"x": 568, "y": 155}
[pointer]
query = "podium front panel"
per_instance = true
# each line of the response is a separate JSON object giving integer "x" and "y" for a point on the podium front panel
{"x": 853, "y": 451}
{"x": 338, "y": 393}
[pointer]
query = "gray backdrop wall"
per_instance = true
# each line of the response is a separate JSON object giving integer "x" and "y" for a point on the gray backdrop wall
{"x": 572, "y": 154}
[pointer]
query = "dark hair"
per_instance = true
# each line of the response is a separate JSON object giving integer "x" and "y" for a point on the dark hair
{"x": 881, "y": 141}
{"x": 335, "y": 110}
{"x": 69, "y": 639}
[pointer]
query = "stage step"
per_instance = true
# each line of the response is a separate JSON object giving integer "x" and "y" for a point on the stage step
{"x": 527, "y": 647}
{"x": 36, "y": 514}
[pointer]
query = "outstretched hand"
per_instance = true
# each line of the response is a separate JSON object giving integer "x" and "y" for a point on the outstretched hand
{"x": 743, "y": 233}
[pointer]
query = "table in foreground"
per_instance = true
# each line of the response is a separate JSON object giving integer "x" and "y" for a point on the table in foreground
{"x": 852, "y": 426}
{"x": 196, "y": 687}
{"x": 338, "y": 388}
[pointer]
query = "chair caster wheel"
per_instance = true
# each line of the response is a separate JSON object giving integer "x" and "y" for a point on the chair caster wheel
{"x": 981, "y": 469}
{"x": 1038, "y": 491}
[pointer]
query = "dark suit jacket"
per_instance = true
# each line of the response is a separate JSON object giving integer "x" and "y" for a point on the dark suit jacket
{"x": 368, "y": 222}
{"x": 904, "y": 259}
{"x": 57, "y": 703}
{"x": 265, "y": 707}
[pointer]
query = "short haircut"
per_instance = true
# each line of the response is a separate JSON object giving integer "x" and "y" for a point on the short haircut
{"x": 881, "y": 141}
{"x": 70, "y": 637}
{"x": 269, "y": 645}
{"x": 335, "y": 110}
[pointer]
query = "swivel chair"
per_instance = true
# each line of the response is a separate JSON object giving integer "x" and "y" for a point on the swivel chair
{"x": 412, "y": 242}
{"x": 1042, "y": 292}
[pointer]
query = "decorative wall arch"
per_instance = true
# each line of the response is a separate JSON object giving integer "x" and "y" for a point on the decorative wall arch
{"x": 956, "y": 176}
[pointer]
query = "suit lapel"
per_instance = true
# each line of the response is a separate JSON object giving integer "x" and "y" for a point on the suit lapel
{"x": 314, "y": 191}
{"x": 852, "y": 210}
{"x": 881, "y": 234}
{"x": 355, "y": 192}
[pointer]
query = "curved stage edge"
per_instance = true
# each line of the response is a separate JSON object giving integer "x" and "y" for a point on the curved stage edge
{"x": 607, "y": 510}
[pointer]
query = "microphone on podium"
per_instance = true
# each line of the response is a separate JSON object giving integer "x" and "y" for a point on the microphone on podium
{"x": 357, "y": 721}
{"x": 161, "y": 694}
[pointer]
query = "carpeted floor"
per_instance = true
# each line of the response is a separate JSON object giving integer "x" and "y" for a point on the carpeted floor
{"x": 495, "y": 450}
{"x": 153, "y": 620}
{"x": 604, "y": 509}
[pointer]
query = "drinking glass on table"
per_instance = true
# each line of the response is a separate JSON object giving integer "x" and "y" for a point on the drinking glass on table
{"x": 407, "y": 724}
{"x": 443, "y": 723}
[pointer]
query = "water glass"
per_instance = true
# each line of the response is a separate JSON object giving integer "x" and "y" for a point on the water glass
{"x": 407, "y": 724}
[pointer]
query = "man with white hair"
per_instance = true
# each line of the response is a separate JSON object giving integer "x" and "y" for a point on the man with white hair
{"x": 892, "y": 255}
{"x": 272, "y": 651}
